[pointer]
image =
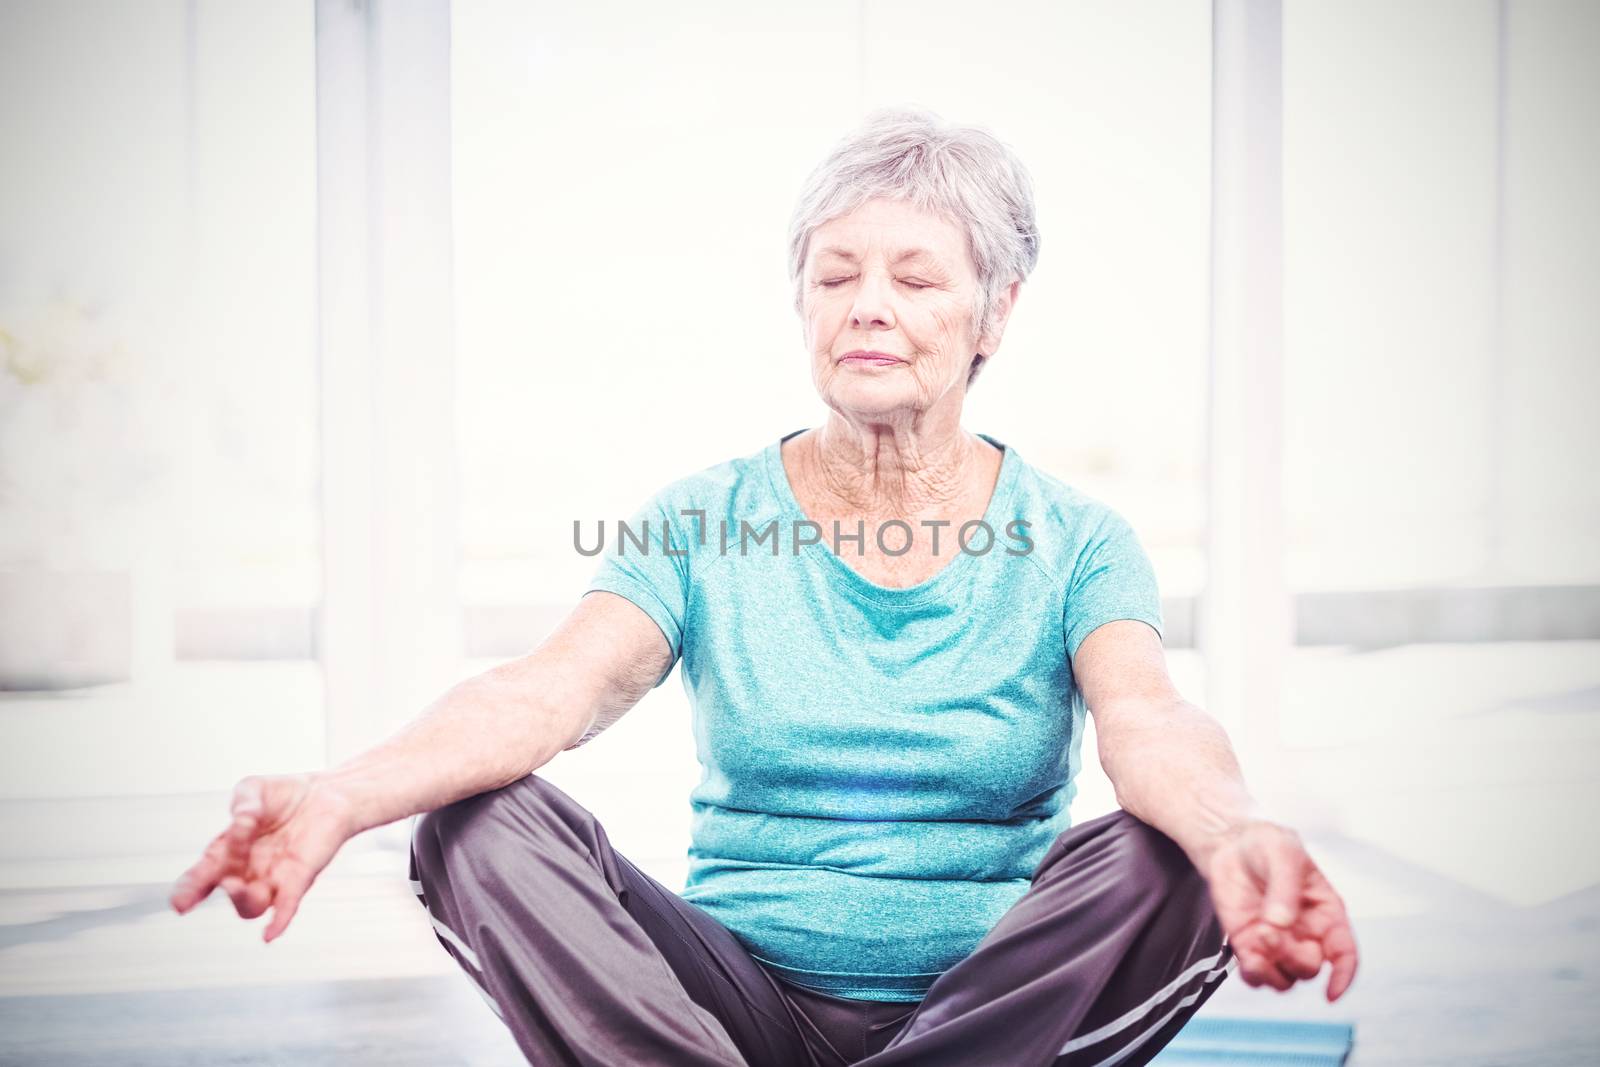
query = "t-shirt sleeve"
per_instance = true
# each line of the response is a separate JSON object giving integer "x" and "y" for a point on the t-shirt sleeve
{"x": 1113, "y": 579}
{"x": 645, "y": 559}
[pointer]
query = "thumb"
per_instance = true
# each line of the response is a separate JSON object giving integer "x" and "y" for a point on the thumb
{"x": 247, "y": 797}
{"x": 1286, "y": 872}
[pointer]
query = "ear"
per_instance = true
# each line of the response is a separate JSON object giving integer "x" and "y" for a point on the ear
{"x": 995, "y": 328}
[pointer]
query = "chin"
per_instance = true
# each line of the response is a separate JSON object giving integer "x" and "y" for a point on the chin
{"x": 870, "y": 397}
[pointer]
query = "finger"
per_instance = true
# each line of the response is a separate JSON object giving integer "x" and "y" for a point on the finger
{"x": 229, "y": 849}
{"x": 247, "y": 797}
{"x": 1262, "y": 973}
{"x": 285, "y": 904}
{"x": 1286, "y": 879}
{"x": 190, "y": 889}
{"x": 1272, "y": 975}
{"x": 233, "y": 885}
{"x": 250, "y": 898}
{"x": 246, "y": 808}
{"x": 195, "y": 884}
{"x": 1300, "y": 959}
{"x": 1340, "y": 948}
{"x": 1259, "y": 970}
{"x": 238, "y": 837}
{"x": 1260, "y": 938}
{"x": 1250, "y": 968}
{"x": 1252, "y": 955}
{"x": 257, "y": 898}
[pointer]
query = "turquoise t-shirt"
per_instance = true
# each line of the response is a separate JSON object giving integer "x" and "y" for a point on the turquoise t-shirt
{"x": 882, "y": 769}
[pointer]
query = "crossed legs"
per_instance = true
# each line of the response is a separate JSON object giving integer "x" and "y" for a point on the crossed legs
{"x": 589, "y": 961}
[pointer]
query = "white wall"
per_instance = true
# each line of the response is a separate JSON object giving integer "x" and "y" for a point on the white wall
{"x": 1443, "y": 247}
{"x": 624, "y": 179}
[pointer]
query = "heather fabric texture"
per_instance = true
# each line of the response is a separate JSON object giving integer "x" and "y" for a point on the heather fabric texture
{"x": 882, "y": 769}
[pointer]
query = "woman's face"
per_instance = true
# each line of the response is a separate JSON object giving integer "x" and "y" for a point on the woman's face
{"x": 888, "y": 294}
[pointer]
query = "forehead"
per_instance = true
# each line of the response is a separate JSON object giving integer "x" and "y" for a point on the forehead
{"x": 894, "y": 229}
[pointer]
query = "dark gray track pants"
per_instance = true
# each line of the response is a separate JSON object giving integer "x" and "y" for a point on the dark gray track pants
{"x": 590, "y": 961}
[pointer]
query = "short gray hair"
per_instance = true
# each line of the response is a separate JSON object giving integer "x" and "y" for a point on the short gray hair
{"x": 961, "y": 172}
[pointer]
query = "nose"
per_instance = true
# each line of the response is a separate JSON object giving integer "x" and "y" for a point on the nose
{"x": 872, "y": 310}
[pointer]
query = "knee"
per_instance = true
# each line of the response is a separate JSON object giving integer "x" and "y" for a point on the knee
{"x": 1155, "y": 863}
{"x": 479, "y": 830}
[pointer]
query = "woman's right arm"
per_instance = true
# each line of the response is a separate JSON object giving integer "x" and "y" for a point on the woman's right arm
{"x": 500, "y": 726}
{"x": 485, "y": 732}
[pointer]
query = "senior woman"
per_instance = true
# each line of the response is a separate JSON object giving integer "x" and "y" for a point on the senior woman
{"x": 891, "y": 629}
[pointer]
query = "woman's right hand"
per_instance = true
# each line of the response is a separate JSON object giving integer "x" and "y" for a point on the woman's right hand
{"x": 285, "y": 830}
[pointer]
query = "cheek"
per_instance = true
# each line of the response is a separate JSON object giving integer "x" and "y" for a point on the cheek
{"x": 815, "y": 334}
{"x": 946, "y": 328}
{"x": 822, "y": 322}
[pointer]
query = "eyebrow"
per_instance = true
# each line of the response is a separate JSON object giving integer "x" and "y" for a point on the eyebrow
{"x": 902, "y": 256}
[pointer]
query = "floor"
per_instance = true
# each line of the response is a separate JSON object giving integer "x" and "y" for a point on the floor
{"x": 1457, "y": 793}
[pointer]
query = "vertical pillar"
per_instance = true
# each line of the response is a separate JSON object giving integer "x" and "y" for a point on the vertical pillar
{"x": 1246, "y": 623}
{"x": 390, "y": 626}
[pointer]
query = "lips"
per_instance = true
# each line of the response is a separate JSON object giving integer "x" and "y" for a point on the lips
{"x": 863, "y": 357}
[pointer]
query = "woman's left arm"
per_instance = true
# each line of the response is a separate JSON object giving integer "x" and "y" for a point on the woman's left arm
{"x": 1173, "y": 767}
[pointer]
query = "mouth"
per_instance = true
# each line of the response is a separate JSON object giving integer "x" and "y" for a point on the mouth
{"x": 864, "y": 358}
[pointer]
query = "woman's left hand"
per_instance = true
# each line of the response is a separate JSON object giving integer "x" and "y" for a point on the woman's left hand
{"x": 1282, "y": 917}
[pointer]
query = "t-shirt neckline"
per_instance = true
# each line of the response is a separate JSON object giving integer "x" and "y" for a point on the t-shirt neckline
{"x": 995, "y": 515}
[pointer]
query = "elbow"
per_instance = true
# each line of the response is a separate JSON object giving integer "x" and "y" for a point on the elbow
{"x": 543, "y": 718}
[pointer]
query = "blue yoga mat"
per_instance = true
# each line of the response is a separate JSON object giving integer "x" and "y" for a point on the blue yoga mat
{"x": 1259, "y": 1043}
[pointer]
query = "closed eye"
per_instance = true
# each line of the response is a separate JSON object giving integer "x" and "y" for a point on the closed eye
{"x": 831, "y": 283}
